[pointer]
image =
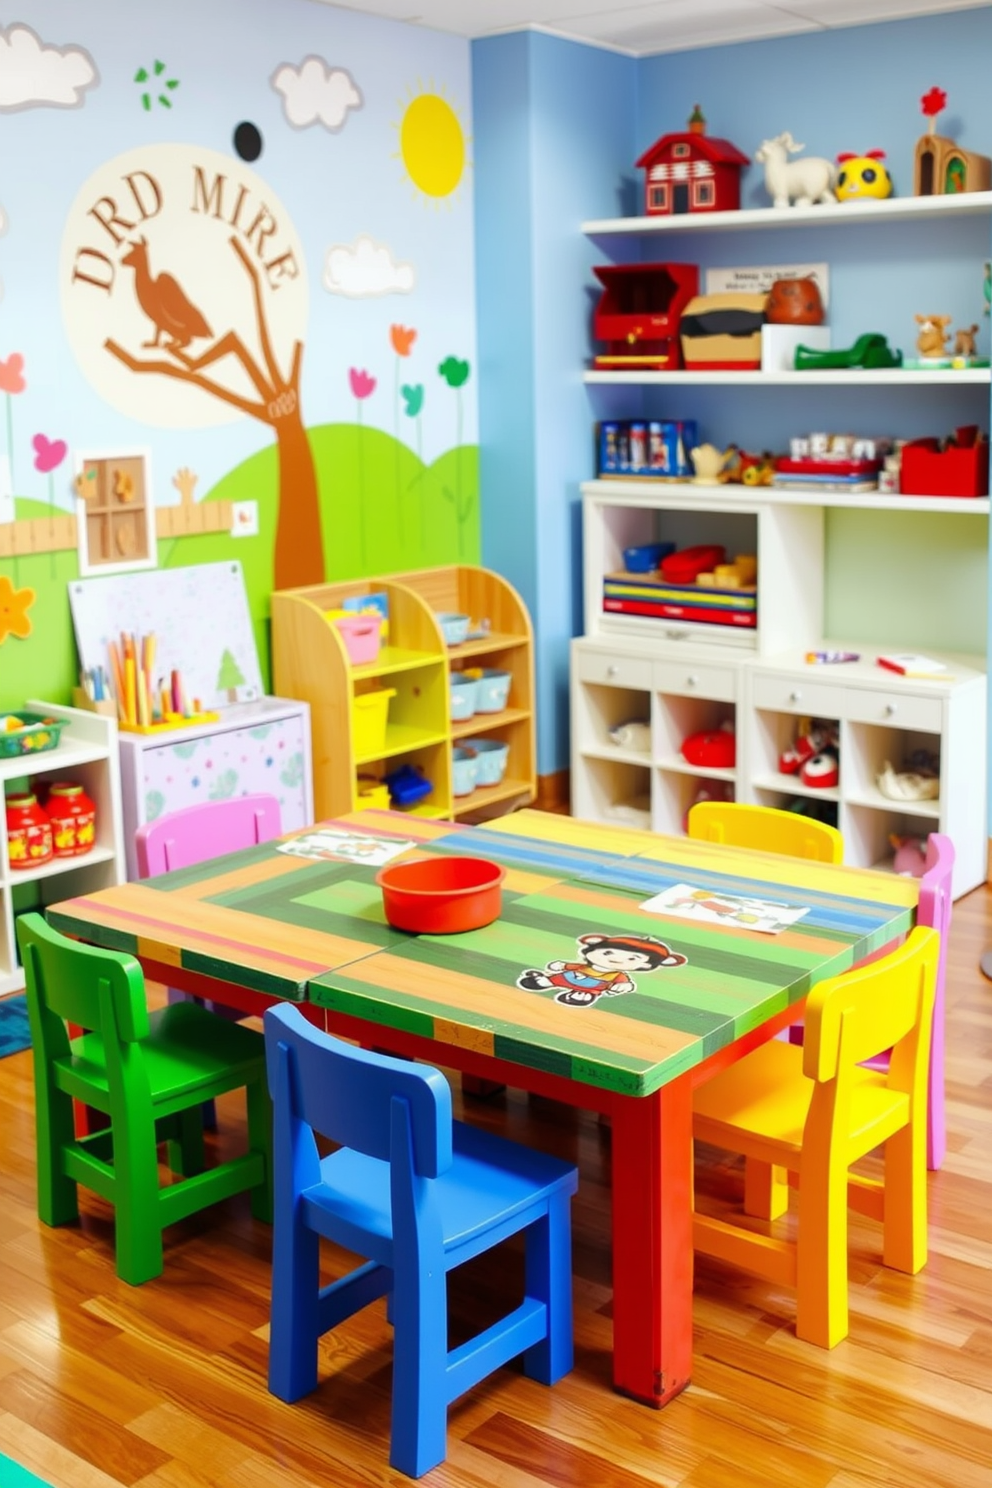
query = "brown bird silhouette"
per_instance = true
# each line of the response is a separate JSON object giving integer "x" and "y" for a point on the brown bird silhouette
{"x": 164, "y": 302}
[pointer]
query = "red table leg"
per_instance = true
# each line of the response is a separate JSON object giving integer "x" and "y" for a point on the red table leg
{"x": 652, "y": 1243}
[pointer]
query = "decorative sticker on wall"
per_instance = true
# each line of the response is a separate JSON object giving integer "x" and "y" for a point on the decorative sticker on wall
{"x": 176, "y": 263}
{"x": 432, "y": 146}
{"x": 604, "y": 969}
{"x": 14, "y": 607}
{"x": 34, "y": 74}
{"x": 365, "y": 268}
{"x": 3, "y": 229}
{"x": 316, "y": 93}
{"x": 155, "y": 86}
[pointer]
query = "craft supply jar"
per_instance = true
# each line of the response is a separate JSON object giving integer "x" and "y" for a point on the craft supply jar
{"x": 29, "y": 831}
{"x": 73, "y": 818}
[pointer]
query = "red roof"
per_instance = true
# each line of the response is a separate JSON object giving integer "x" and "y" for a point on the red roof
{"x": 717, "y": 150}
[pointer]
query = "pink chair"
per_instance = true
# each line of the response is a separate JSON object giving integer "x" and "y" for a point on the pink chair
{"x": 181, "y": 839}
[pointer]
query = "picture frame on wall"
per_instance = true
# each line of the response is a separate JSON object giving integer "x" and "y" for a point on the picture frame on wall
{"x": 115, "y": 512}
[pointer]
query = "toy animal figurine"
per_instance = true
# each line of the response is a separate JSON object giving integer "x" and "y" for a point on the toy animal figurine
{"x": 964, "y": 341}
{"x": 708, "y": 463}
{"x": 862, "y": 176}
{"x": 801, "y": 182}
{"x": 931, "y": 339}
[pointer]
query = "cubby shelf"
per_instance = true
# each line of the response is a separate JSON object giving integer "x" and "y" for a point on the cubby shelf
{"x": 310, "y": 662}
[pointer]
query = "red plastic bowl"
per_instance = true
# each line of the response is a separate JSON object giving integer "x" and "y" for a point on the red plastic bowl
{"x": 441, "y": 896}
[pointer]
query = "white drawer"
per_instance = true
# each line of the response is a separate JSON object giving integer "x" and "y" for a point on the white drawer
{"x": 896, "y": 708}
{"x": 692, "y": 680}
{"x": 796, "y": 695}
{"x": 613, "y": 671}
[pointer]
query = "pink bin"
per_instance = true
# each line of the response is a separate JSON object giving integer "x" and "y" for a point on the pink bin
{"x": 362, "y": 635}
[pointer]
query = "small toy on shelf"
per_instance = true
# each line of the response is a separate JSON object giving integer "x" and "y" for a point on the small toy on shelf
{"x": 794, "y": 302}
{"x": 710, "y": 464}
{"x": 964, "y": 343}
{"x": 931, "y": 338}
{"x": 919, "y": 780}
{"x": 794, "y": 182}
{"x": 958, "y": 467}
{"x": 814, "y": 754}
{"x": 942, "y": 168}
{"x": 722, "y": 332}
{"x": 712, "y": 749}
{"x": 869, "y": 351}
{"x": 659, "y": 448}
{"x": 910, "y": 855}
{"x": 691, "y": 172}
{"x": 863, "y": 177}
{"x": 639, "y": 314}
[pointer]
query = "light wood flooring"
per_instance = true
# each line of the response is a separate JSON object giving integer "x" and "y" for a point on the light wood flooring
{"x": 163, "y": 1386}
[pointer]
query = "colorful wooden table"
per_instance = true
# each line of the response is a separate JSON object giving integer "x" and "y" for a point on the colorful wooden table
{"x": 568, "y": 994}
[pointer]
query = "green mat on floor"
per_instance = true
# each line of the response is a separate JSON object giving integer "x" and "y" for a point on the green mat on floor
{"x": 12, "y": 1476}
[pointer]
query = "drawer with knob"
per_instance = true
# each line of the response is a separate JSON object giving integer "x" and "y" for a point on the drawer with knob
{"x": 614, "y": 671}
{"x": 906, "y": 710}
{"x": 693, "y": 680}
{"x": 797, "y": 695}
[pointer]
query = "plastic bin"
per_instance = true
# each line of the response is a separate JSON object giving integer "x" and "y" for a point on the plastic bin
{"x": 362, "y": 636}
{"x": 369, "y": 712}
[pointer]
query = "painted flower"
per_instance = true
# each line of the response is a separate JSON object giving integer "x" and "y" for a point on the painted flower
{"x": 413, "y": 398}
{"x": 14, "y": 606}
{"x": 362, "y": 385}
{"x": 934, "y": 102}
{"x": 48, "y": 453}
{"x": 12, "y": 374}
{"x": 454, "y": 372}
{"x": 402, "y": 338}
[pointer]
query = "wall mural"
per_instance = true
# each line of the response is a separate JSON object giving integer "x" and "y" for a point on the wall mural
{"x": 238, "y": 294}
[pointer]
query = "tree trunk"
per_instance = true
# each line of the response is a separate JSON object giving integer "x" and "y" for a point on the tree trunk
{"x": 299, "y": 549}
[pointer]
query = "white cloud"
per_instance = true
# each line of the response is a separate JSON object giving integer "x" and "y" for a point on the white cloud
{"x": 365, "y": 268}
{"x": 316, "y": 93}
{"x": 33, "y": 75}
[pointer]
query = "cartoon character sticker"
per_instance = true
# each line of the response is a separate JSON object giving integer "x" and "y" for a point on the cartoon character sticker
{"x": 605, "y": 968}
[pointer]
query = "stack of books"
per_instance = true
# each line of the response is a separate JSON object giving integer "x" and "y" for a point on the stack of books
{"x": 831, "y": 476}
{"x": 653, "y": 596}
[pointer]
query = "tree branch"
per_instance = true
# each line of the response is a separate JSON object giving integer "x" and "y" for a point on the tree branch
{"x": 261, "y": 322}
{"x": 294, "y": 371}
{"x": 254, "y": 410}
{"x": 233, "y": 344}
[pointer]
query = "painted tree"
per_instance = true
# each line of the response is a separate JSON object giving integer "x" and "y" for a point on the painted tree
{"x": 230, "y": 677}
{"x": 299, "y": 550}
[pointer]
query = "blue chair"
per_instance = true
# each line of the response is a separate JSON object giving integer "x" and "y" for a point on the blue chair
{"x": 418, "y": 1194}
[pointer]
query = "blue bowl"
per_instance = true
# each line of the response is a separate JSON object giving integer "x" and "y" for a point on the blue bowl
{"x": 491, "y": 758}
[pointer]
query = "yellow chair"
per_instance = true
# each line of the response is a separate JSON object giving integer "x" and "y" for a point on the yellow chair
{"x": 814, "y": 1110}
{"x": 766, "y": 830}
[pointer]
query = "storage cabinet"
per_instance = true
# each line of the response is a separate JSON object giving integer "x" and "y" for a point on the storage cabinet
{"x": 87, "y": 753}
{"x": 682, "y": 676}
{"x": 310, "y": 661}
{"x": 262, "y": 745}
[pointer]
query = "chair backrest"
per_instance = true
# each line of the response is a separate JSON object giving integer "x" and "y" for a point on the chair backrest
{"x": 766, "y": 829}
{"x": 348, "y": 1094}
{"x": 936, "y": 892}
{"x": 886, "y": 1004}
{"x": 181, "y": 839}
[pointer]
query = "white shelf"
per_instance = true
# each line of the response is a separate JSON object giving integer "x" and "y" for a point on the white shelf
{"x": 839, "y": 214}
{"x": 836, "y": 377}
{"x": 634, "y": 489}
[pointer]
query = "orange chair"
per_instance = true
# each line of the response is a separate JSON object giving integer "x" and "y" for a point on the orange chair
{"x": 815, "y": 1110}
{"x": 765, "y": 829}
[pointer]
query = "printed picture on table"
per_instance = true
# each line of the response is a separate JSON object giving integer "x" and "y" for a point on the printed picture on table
{"x": 770, "y": 916}
{"x": 351, "y": 845}
{"x": 605, "y": 968}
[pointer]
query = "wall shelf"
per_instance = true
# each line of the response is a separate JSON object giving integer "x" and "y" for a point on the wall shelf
{"x": 839, "y": 214}
{"x": 835, "y": 378}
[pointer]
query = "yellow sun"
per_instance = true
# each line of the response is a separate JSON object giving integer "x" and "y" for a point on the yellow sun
{"x": 432, "y": 145}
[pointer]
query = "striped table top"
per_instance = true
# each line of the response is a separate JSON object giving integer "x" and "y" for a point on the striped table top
{"x": 572, "y": 978}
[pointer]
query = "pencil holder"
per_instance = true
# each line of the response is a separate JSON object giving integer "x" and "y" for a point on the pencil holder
{"x": 81, "y": 699}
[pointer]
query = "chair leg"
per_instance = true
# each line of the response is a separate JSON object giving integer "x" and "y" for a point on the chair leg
{"x": 260, "y": 1140}
{"x": 186, "y": 1150}
{"x": 766, "y": 1189}
{"x": 821, "y": 1262}
{"x": 549, "y": 1278}
{"x": 905, "y": 1210}
{"x": 58, "y": 1199}
{"x": 418, "y": 1438}
{"x": 294, "y": 1329}
{"x": 138, "y": 1213}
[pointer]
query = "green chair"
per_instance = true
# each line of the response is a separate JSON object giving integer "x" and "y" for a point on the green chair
{"x": 149, "y": 1074}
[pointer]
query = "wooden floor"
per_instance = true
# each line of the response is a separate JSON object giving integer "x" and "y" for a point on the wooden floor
{"x": 163, "y": 1386}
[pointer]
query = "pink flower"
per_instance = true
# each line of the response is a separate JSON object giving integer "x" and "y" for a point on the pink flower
{"x": 12, "y": 374}
{"x": 362, "y": 385}
{"x": 49, "y": 453}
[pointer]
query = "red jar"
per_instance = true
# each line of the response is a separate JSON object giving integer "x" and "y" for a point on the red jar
{"x": 29, "y": 831}
{"x": 73, "y": 819}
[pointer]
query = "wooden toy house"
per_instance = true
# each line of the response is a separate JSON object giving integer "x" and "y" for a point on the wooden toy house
{"x": 943, "y": 168}
{"x": 690, "y": 172}
{"x": 639, "y": 314}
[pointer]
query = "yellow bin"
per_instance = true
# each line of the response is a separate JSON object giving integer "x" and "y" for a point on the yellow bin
{"x": 369, "y": 711}
{"x": 370, "y": 792}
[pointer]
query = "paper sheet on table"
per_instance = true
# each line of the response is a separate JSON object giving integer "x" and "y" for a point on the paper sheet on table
{"x": 685, "y": 902}
{"x": 352, "y": 845}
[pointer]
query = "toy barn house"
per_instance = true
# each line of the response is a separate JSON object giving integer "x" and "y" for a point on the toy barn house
{"x": 691, "y": 173}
